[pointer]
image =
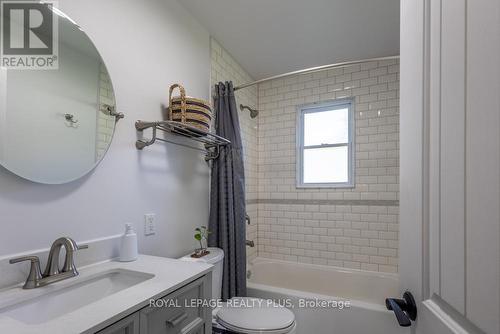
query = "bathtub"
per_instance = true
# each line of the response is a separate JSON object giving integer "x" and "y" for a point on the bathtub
{"x": 327, "y": 300}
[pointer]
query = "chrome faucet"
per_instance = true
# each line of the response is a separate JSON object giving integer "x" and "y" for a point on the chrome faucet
{"x": 52, "y": 272}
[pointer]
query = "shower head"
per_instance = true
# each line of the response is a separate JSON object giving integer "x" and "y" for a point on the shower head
{"x": 253, "y": 112}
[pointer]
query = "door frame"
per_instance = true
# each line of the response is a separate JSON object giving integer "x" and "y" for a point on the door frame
{"x": 414, "y": 152}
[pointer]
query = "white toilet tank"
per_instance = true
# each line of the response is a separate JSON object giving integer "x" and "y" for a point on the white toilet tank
{"x": 215, "y": 258}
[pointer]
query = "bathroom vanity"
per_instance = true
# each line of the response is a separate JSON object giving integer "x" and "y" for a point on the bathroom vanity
{"x": 147, "y": 296}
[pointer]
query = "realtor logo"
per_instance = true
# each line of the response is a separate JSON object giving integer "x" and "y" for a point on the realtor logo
{"x": 28, "y": 35}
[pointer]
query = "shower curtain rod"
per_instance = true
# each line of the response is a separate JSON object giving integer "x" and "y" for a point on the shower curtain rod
{"x": 315, "y": 69}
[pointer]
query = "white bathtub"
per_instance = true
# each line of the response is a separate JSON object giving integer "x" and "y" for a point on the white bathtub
{"x": 289, "y": 282}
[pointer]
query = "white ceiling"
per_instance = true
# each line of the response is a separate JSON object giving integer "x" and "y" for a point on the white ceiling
{"x": 269, "y": 37}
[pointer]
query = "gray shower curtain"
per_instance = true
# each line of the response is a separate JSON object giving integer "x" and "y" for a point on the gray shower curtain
{"x": 227, "y": 195}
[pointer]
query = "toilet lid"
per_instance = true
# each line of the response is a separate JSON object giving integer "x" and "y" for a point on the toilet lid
{"x": 250, "y": 315}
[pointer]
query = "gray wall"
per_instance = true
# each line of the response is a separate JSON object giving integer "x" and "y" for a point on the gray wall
{"x": 146, "y": 48}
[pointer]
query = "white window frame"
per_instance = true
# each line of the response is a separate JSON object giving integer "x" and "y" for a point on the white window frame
{"x": 321, "y": 107}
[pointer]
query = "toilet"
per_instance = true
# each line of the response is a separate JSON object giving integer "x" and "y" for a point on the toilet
{"x": 244, "y": 315}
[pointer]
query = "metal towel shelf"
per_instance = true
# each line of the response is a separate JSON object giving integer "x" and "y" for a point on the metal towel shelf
{"x": 212, "y": 142}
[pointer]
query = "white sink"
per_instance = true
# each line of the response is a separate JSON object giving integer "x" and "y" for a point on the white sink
{"x": 83, "y": 292}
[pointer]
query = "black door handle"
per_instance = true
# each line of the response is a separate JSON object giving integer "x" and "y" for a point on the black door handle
{"x": 405, "y": 309}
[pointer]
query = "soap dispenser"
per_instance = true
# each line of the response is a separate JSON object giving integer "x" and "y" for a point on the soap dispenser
{"x": 128, "y": 248}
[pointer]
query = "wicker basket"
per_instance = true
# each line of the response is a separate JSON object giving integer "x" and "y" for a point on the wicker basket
{"x": 188, "y": 110}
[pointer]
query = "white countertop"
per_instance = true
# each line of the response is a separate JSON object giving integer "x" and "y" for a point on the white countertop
{"x": 169, "y": 275}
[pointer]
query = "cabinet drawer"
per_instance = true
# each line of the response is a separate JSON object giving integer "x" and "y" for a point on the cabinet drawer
{"x": 176, "y": 314}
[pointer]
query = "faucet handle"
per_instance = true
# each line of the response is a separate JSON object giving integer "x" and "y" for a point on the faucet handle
{"x": 82, "y": 247}
{"x": 35, "y": 274}
{"x": 31, "y": 258}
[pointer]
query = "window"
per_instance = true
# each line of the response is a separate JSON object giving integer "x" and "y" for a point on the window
{"x": 325, "y": 148}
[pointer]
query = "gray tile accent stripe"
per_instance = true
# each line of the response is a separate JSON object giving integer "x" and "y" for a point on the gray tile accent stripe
{"x": 324, "y": 202}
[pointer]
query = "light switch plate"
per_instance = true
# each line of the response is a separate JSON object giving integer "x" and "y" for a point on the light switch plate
{"x": 149, "y": 224}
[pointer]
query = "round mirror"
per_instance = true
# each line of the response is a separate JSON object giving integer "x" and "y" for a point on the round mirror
{"x": 57, "y": 105}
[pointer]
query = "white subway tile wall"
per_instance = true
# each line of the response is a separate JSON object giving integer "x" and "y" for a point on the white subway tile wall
{"x": 354, "y": 228}
{"x": 225, "y": 68}
{"x": 105, "y": 122}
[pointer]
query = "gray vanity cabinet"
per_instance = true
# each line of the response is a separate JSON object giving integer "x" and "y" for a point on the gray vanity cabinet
{"x": 176, "y": 313}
